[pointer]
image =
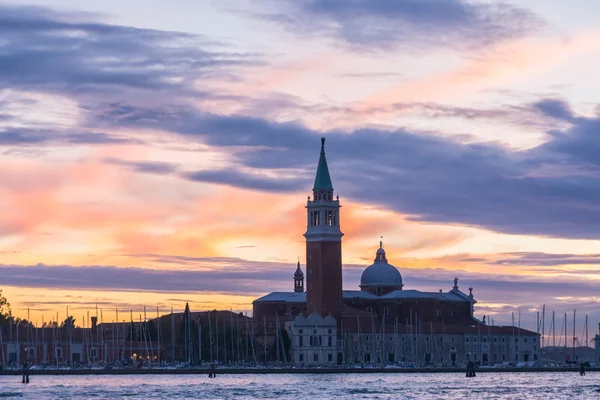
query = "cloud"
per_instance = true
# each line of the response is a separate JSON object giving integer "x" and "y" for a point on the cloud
{"x": 544, "y": 114}
{"x": 11, "y": 136}
{"x": 233, "y": 276}
{"x": 245, "y": 180}
{"x": 555, "y": 108}
{"x": 43, "y": 50}
{"x": 236, "y": 275}
{"x": 548, "y": 190}
{"x": 541, "y": 260}
{"x": 375, "y": 75}
{"x": 219, "y": 275}
{"x": 368, "y": 25}
{"x": 152, "y": 167}
{"x": 20, "y": 136}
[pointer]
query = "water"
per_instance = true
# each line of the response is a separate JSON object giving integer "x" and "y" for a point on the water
{"x": 522, "y": 386}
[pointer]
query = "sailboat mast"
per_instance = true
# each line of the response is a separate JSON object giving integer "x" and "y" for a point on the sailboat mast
{"x": 173, "y": 336}
{"x": 265, "y": 336}
{"x": 117, "y": 343}
{"x": 247, "y": 331}
{"x": 519, "y": 332}
{"x": 158, "y": 333}
{"x": 543, "y": 323}
{"x": 553, "y": 330}
{"x": 217, "y": 335}
{"x": 224, "y": 342}
{"x": 210, "y": 339}
{"x": 538, "y": 324}
{"x": 574, "y": 338}
{"x": 277, "y": 335}
{"x": 231, "y": 331}
{"x": 566, "y": 341}
{"x": 253, "y": 338}
{"x": 512, "y": 346}
{"x": 586, "y": 330}
{"x": 131, "y": 334}
{"x": 199, "y": 341}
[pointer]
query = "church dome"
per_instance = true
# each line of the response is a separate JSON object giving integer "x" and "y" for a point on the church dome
{"x": 380, "y": 273}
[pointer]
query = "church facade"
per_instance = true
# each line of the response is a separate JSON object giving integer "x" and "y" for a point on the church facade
{"x": 382, "y": 321}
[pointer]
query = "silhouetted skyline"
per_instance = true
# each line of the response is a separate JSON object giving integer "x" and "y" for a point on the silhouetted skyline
{"x": 157, "y": 154}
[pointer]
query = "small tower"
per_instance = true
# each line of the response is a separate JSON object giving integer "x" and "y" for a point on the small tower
{"x": 298, "y": 280}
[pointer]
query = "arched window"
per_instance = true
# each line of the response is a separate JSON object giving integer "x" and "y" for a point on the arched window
{"x": 386, "y": 311}
{"x": 329, "y": 218}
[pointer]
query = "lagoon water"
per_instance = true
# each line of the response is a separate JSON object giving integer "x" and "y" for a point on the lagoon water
{"x": 567, "y": 385}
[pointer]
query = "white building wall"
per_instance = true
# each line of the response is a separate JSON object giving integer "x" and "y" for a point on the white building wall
{"x": 314, "y": 341}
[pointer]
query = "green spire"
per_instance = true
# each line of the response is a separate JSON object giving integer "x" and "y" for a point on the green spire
{"x": 323, "y": 180}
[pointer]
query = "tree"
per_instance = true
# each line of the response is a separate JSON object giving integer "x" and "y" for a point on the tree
{"x": 69, "y": 322}
{"x": 4, "y": 310}
{"x": 23, "y": 323}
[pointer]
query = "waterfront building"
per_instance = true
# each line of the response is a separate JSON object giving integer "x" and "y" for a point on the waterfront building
{"x": 187, "y": 337}
{"x": 382, "y": 322}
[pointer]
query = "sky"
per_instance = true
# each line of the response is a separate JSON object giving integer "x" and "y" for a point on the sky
{"x": 156, "y": 153}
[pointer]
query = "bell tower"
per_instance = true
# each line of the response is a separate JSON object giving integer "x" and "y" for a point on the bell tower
{"x": 298, "y": 279}
{"x": 323, "y": 246}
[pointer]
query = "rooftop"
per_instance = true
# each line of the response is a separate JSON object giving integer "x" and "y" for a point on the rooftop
{"x": 300, "y": 297}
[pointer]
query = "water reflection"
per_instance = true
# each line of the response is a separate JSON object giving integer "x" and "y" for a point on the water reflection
{"x": 351, "y": 386}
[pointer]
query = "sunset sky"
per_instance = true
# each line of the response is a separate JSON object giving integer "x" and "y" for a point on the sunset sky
{"x": 153, "y": 153}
